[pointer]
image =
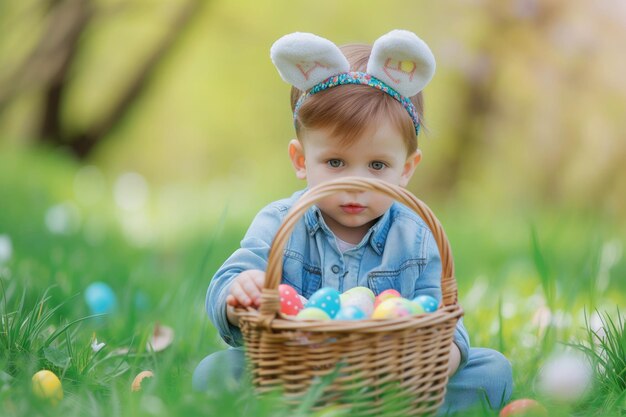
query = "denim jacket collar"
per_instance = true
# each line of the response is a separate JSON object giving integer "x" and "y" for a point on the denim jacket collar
{"x": 376, "y": 236}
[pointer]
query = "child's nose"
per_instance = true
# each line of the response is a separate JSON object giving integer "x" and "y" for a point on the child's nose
{"x": 358, "y": 172}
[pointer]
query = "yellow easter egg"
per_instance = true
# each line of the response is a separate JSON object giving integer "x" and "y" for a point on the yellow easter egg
{"x": 392, "y": 308}
{"x": 313, "y": 313}
{"x": 47, "y": 386}
{"x": 136, "y": 386}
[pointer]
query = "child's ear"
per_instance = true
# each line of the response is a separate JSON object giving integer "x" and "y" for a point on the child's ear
{"x": 296, "y": 154}
{"x": 409, "y": 167}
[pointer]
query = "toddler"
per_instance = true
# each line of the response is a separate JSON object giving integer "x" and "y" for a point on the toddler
{"x": 357, "y": 112}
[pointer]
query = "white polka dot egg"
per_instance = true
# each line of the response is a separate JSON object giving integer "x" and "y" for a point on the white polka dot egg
{"x": 290, "y": 302}
{"x": 326, "y": 299}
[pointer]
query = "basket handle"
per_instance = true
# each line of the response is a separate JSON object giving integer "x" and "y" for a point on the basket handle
{"x": 270, "y": 299}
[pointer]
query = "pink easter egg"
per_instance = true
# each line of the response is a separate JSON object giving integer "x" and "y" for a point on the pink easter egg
{"x": 392, "y": 308}
{"x": 523, "y": 407}
{"x": 290, "y": 303}
{"x": 386, "y": 295}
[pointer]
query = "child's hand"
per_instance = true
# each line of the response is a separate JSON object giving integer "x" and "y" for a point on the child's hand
{"x": 246, "y": 288}
{"x": 455, "y": 359}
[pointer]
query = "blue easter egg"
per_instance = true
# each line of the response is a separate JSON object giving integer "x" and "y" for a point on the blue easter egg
{"x": 100, "y": 298}
{"x": 428, "y": 303}
{"x": 350, "y": 313}
{"x": 326, "y": 299}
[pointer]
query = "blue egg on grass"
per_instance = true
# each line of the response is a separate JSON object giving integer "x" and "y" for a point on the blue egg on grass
{"x": 428, "y": 303}
{"x": 326, "y": 299}
{"x": 100, "y": 298}
{"x": 350, "y": 313}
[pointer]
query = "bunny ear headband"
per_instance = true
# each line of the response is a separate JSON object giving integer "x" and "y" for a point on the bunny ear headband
{"x": 400, "y": 64}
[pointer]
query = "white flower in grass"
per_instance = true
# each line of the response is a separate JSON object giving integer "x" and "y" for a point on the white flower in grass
{"x": 97, "y": 346}
{"x": 63, "y": 219}
{"x": 566, "y": 377}
{"x": 6, "y": 248}
{"x": 597, "y": 327}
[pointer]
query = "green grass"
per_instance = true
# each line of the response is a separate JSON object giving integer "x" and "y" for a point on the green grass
{"x": 508, "y": 268}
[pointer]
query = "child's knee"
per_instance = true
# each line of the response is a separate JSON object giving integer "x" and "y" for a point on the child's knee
{"x": 499, "y": 377}
{"x": 223, "y": 368}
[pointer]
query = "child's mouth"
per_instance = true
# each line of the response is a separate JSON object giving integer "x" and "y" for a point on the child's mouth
{"x": 352, "y": 208}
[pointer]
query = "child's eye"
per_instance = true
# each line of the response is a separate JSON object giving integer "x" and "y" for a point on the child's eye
{"x": 335, "y": 163}
{"x": 377, "y": 165}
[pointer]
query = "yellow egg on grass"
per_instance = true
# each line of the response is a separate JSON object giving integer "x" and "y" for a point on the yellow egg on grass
{"x": 47, "y": 386}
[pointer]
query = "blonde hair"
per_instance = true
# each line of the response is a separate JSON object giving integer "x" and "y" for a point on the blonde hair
{"x": 350, "y": 111}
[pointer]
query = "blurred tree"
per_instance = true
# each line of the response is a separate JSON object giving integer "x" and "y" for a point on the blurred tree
{"x": 538, "y": 94}
{"x": 47, "y": 69}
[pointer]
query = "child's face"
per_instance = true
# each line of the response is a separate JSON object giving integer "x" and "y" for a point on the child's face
{"x": 380, "y": 154}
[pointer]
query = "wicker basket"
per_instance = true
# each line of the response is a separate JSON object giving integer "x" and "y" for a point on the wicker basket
{"x": 381, "y": 367}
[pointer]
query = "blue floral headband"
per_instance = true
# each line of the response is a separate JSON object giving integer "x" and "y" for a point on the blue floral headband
{"x": 361, "y": 78}
{"x": 400, "y": 64}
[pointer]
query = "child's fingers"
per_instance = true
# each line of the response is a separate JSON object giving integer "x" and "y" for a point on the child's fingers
{"x": 251, "y": 289}
{"x": 231, "y": 301}
{"x": 259, "y": 279}
{"x": 239, "y": 294}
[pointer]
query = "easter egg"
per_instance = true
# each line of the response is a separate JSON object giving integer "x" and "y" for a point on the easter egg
{"x": 523, "y": 407}
{"x": 361, "y": 290}
{"x": 313, "y": 313}
{"x": 350, "y": 313}
{"x": 326, "y": 299}
{"x": 428, "y": 303}
{"x": 386, "y": 295}
{"x": 47, "y": 386}
{"x": 414, "y": 308}
{"x": 100, "y": 298}
{"x": 392, "y": 308}
{"x": 565, "y": 377}
{"x": 290, "y": 303}
{"x": 360, "y": 300}
{"x": 136, "y": 385}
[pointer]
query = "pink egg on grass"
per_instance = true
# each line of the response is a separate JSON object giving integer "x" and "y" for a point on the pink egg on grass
{"x": 523, "y": 407}
{"x": 290, "y": 302}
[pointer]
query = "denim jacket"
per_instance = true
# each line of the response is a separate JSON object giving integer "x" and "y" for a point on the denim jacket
{"x": 398, "y": 252}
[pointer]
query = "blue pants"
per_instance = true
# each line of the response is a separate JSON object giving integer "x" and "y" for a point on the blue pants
{"x": 485, "y": 379}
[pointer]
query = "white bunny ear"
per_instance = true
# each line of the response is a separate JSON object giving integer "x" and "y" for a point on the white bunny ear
{"x": 305, "y": 59}
{"x": 403, "y": 61}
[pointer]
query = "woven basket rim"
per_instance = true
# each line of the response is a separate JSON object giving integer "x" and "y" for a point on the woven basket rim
{"x": 285, "y": 323}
